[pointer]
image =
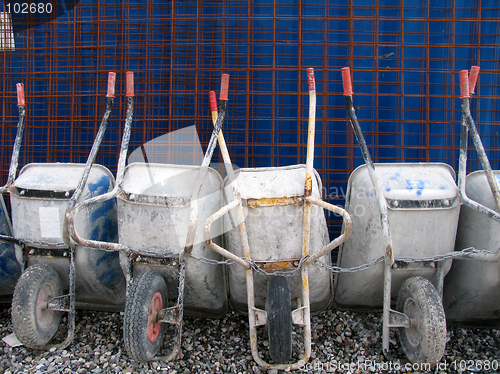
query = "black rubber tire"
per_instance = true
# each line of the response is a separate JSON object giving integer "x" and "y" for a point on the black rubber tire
{"x": 34, "y": 325}
{"x": 279, "y": 319}
{"x": 146, "y": 288}
{"x": 425, "y": 339}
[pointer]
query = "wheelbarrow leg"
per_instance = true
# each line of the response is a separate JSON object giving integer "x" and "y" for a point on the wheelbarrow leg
{"x": 72, "y": 284}
{"x": 387, "y": 307}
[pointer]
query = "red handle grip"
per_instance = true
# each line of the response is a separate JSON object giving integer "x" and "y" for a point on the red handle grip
{"x": 224, "y": 86}
{"x": 213, "y": 101}
{"x": 20, "y": 94}
{"x": 464, "y": 84}
{"x": 130, "y": 84}
{"x": 474, "y": 73}
{"x": 346, "y": 80}
{"x": 111, "y": 84}
{"x": 310, "y": 79}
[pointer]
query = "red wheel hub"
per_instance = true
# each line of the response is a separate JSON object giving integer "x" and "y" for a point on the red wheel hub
{"x": 153, "y": 324}
{"x": 44, "y": 315}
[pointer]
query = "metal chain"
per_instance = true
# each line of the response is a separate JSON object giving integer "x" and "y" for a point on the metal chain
{"x": 354, "y": 269}
{"x": 210, "y": 261}
{"x": 60, "y": 245}
{"x": 446, "y": 256}
{"x": 337, "y": 269}
{"x": 254, "y": 265}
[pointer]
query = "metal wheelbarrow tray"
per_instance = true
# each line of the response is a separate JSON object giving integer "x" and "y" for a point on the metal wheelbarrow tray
{"x": 471, "y": 287}
{"x": 39, "y": 199}
{"x": 154, "y": 207}
{"x": 275, "y": 233}
{"x": 423, "y": 208}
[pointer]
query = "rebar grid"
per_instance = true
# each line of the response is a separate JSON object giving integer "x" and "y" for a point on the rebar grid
{"x": 405, "y": 60}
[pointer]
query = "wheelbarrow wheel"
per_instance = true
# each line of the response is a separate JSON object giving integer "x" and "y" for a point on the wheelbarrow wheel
{"x": 33, "y": 323}
{"x": 142, "y": 333}
{"x": 279, "y": 319}
{"x": 425, "y": 339}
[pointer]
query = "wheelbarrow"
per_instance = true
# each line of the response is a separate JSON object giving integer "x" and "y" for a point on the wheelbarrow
{"x": 278, "y": 238}
{"x": 471, "y": 287}
{"x": 160, "y": 244}
{"x": 405, "y": 220}
{"x": 58, "y": 276}
{"x": 10, "y": 269}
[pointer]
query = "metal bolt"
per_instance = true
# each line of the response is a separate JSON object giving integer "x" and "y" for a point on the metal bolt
{"x": 395, "y": 203}
{"x": 22, "y": 192}
{"x": 66, "y": 194}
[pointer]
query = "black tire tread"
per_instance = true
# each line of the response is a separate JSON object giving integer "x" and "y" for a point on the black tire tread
{"x": 135, "y": 334}
{"x": 279, "y": 319}
{"x": 24, "y": 306}
{"x": 432, "y": 345}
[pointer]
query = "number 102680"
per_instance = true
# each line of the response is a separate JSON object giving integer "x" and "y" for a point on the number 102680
{"x": 29, "y": 8}
{"x": 475, "y": 365}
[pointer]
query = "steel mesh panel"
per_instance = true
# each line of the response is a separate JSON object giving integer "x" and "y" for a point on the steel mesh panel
{"x": 405, "y": 60}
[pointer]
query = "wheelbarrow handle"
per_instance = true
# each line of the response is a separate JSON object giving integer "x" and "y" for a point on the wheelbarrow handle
{"x": 346, "y": 80}
{"x": 14, "y": 161}
{"x": 340, "y": 239}
{"x": 384, "y": 215}
{"x": 474, "y": 73}
{"x": 69, "y": 230}
{"x": 93, "y": 244}
{"x": 71, "y": 215}
{"x": 224, "y": 87}
{"x": 213, "y": 101}
{"x": 20, "y": 94}
{"x": 464, "y": 84}
{"x": 310, "y": 79}
{"x": 327, "y": 249}
{"x": 111, "y": 84}
{"x": 110, "y": 97}
{"x": 468, "y": 125}
{"x": 129, "y": 84}
{"x": 207, "y": 234}
{"x": 220, "y": 138}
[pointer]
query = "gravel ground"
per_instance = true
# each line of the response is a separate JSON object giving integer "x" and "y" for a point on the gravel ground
{"x": 345, "y": 342}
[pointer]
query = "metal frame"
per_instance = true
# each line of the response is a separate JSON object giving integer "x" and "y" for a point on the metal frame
{"x": 302, "y": 314}
{"x": 66, "y": 250}
{"x": 392, "y": 318}
{"x": 467, "y": 85}
{"x": 172, "y": 315}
